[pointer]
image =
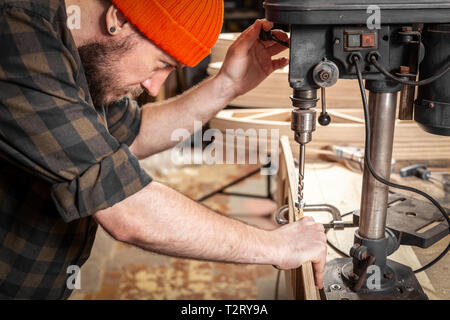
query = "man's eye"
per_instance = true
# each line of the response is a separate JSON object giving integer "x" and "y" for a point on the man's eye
{"x": 166, "y": 66}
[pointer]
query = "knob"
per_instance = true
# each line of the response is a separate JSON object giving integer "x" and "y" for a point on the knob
{"x": 324, "y": 119}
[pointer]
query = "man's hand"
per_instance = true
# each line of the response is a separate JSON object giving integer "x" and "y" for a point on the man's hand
{"x": 249, "y": 60}
{"x": 301, "y": 242}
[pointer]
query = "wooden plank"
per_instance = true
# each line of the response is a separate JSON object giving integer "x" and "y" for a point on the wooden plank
{"x": 220, "y": 49}
{"x": 275, "y": 92}
{"x": 272, "y": 115}
{"x": 300, "y": 282}
{"x": 344, "y": 116}
{"x": 410, "y": 141}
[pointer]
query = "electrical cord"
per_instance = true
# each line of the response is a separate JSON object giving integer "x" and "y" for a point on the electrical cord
{"x": 277, "y": 284}
{"x": 339, "y": 251}
{"x": 380, "y": 68}
{"x": 384, "y": 181}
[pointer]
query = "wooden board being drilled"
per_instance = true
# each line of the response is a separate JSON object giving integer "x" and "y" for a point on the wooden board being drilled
{"x": 300, "y": 282}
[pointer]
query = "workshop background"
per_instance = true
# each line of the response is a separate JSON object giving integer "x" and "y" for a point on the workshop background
{"x": 119, "y": 271}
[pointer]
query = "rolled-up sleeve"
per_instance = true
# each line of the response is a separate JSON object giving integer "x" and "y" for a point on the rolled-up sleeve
{"x": 102, "y": 185}
{"x": 49, "y": 127}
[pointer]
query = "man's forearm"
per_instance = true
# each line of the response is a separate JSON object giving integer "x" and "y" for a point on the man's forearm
{"x": 159, "y": 120}
{"x": 161, "y": 220}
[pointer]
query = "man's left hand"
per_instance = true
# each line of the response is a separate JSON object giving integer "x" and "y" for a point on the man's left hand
{"x": 249, "y": 60}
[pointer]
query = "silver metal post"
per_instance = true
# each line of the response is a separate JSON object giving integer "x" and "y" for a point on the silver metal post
{"x": 382, "y": 108}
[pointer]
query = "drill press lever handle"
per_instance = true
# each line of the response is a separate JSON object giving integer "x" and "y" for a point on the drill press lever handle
{"x": 269, "y": 36}
{"x": 324, "y": 118}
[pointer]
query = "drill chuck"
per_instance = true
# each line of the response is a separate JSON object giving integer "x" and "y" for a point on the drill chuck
{"x": 303, "y": 124}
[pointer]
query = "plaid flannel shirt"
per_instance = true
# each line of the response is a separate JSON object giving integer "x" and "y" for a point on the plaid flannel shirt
{"x": 61, "y": 158}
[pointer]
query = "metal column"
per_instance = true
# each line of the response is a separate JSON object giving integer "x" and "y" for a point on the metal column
{"x": 382, "y": 108}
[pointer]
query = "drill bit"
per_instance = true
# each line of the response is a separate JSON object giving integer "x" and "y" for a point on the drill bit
{"x": 301, "y": 178}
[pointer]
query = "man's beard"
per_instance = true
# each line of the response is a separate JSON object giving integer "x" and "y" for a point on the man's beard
{"x": 100, "y": 60}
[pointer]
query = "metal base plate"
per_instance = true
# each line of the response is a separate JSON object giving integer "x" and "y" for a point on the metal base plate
{"x": 406, "y": 287}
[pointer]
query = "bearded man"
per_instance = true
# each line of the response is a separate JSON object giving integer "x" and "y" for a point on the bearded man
{"x": 71, "y": 136}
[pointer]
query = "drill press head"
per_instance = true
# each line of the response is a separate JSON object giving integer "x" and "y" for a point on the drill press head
{"x": 327, "y": 35}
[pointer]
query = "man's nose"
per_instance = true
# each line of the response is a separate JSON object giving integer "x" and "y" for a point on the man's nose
{"x": 154, "y": 84}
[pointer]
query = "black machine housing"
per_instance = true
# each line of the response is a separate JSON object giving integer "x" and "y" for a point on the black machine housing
{"x": 322, "y": 29}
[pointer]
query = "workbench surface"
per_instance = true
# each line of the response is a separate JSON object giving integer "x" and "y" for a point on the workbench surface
{"x": 118, "y": 271}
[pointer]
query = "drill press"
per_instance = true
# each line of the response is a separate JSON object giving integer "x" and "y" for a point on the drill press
{"x": 389, "y": 43}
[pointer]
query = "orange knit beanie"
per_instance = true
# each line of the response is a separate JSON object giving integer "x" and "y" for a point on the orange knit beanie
{"x": 184, "y": 29}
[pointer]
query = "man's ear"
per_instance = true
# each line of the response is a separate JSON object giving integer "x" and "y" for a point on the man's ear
{"x": 115, "y": 21}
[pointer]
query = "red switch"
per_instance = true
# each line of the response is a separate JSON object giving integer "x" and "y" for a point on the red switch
{"x": 368, "y": 40}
